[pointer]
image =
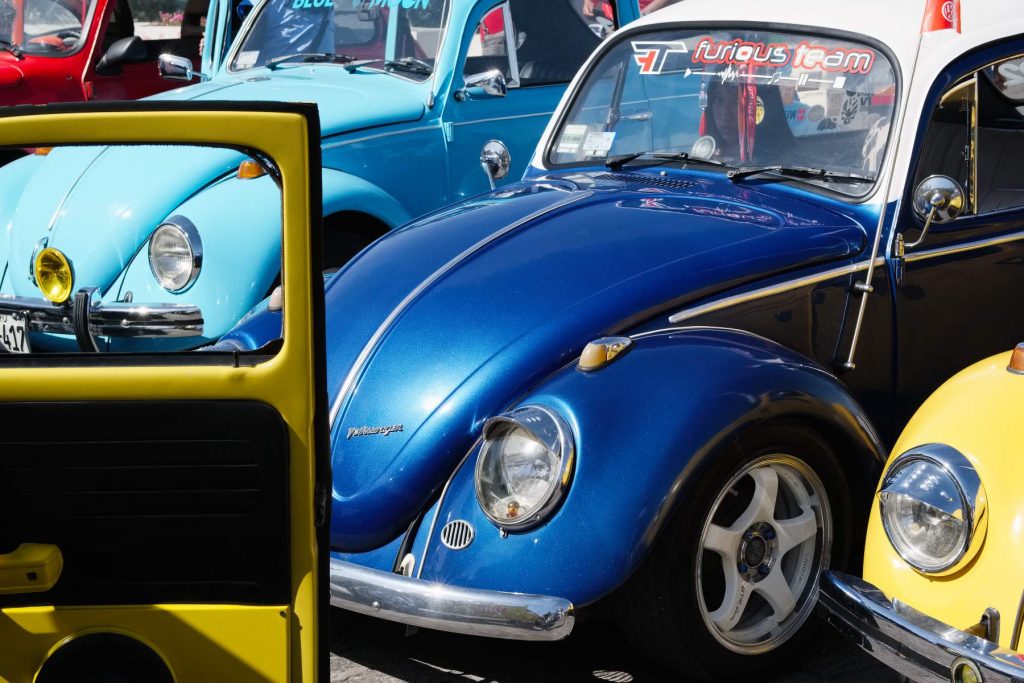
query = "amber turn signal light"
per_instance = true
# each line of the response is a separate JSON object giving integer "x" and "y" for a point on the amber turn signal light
{"x": 1017, "y": 360}
{"x": 249, "y": 169}
{"x": 42, "y": 151}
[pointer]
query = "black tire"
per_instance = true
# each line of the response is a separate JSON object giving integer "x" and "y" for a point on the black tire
{"x": 659, "y": 608}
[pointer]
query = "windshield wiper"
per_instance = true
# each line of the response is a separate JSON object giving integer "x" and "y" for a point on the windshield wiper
{"x": 618, "y": 161}
{"x": 12, "y": 48}
{"x": 315, "y": 57}
{"x": 798, "y": 172}
{"x": 407, "y": 64}
{"x": 410, "y": 65}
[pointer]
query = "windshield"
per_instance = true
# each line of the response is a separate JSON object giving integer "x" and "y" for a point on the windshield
{"x": 46, "y": 27}
{"x": 744, "y": 98}
{"x": 391, "y": 30}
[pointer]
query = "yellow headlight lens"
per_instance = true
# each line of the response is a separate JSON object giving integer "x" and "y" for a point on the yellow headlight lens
{"x": 54, "y": 276}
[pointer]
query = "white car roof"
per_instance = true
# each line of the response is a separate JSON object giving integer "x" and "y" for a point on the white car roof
{"x": 895, "y": 23}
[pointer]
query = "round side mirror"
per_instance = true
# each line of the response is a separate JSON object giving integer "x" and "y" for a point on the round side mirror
{"x": 939, "y": 194}
{"x": 483, "y": 85}
{"x": 496, "y": 160}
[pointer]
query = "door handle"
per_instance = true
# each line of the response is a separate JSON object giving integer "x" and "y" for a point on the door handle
{"x": 31, "y": 568}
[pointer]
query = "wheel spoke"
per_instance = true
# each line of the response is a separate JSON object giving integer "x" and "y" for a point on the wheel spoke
{"x": 793, "y": 532}
{"x": 737, "y": 594}
{"x": 776, "y": 591}
{"x": 762, "y": 503}
{"x": 725, "y": 542}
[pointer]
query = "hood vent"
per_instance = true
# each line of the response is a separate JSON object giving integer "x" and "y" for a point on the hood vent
{"x": 457, "y": 534}
{"x": 659, "y": 181}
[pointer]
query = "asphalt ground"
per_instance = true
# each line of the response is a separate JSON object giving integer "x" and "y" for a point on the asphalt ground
{"x": 366, "y": 650}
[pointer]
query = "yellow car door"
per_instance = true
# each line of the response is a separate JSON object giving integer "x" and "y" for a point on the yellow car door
{"x": 161, "y": 516}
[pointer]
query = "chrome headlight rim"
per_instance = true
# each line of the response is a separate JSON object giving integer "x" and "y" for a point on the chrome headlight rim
{"x": 973, "y": 502}
{"x": 190, "y": 233}
{"x": 563, "y": 445}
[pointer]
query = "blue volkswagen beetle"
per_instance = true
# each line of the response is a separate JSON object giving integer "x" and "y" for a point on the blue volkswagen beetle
{"x": 165, "y": 249}
{"x": 657, "y": 379}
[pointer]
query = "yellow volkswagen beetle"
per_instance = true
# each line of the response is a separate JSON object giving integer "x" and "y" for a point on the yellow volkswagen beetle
{"x": 941, "y": 597}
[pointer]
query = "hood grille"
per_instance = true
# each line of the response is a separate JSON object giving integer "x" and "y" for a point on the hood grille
{"x": 457, "y": 534}
{"x": 659, "y": 181}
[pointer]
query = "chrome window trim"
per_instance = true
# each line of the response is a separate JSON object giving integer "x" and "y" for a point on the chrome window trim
{"x": 779, "y": 288}
{"x": 346, "y": 387}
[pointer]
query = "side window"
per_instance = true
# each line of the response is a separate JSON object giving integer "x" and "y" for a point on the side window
{"x": 1000, "y": 155}
{"x": 171, "y": 26}
{"x": 948, "y": 144}
{"x": 490, "y": 49}
{"x": 554, "y": 37}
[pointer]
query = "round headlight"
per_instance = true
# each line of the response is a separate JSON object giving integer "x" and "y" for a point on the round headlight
{"x": 524, "y": 467}
{"x": 176, "y": 254}
{"x": 54, "y": 275}
{"x": 933, "y": 508}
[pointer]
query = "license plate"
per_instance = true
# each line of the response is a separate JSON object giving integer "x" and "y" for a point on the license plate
{"x": 14, "y": 333}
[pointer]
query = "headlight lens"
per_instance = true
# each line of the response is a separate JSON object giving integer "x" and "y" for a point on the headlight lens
{"x": 524, "y": 467}
{"x": 931, "y": 502}
{"x": 176, "y": 254}
{"x": 54, "y": 275}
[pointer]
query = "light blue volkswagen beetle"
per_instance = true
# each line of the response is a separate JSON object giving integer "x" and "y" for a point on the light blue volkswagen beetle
{"x": 132, "y": 249}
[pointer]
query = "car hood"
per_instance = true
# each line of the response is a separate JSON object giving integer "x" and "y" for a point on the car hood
{"x": 347, "y": 101}
{"x": 447, "y": 322}
{"x": 98, "y": 205}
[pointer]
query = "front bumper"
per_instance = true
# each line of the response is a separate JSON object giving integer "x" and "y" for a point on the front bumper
{"x": 87, "y": 318}
{"x": 492, "y": 614}
{"x": 908, "y": 641}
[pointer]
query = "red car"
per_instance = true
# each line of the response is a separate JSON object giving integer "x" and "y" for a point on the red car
{"x": 74, "y": 50}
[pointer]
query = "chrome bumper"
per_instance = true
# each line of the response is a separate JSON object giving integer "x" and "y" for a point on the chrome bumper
{"x": 83, "y": 315}
{"x": 493, "y": 614}
{"x": 908, "y": 641}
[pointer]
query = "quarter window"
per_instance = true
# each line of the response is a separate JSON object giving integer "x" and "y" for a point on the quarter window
{"x": 539, "y": 42}
{"x": 1001, "y": 137}
{"x": 976, "y": 137}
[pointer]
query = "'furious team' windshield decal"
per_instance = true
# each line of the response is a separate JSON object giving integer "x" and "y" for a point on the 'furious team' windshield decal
{"x": 652, "y": 56}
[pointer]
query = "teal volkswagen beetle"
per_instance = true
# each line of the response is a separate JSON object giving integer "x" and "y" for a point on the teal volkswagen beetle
{"x": 132, "y": 249}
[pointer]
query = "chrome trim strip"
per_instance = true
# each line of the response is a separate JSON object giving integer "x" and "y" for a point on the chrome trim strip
{"x": 110, "y": 320}
{"x": 492, "y": 614}
{"x": 501, "y": 118}
{"x": 959, "y": 248}
{"x": 357, "y": 367}
{"x": 54, "y": 219}
{"x": 440, "y": 504}
{"x": 780, "y": 288}
{"x": 906, "y": 640}
{"x": 388, "y": 134}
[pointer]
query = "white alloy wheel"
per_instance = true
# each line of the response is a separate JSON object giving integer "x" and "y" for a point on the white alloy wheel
{"x": 763, "y": 547}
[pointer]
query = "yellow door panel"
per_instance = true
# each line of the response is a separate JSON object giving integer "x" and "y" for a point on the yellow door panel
{"x": 54, "y": 605}
{"x": 31, "y": 568}
{"x": 197, "y": 642}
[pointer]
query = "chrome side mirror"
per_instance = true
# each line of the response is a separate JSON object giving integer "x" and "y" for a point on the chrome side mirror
{"x": 177, "y": 68}
{"x": 496, "y": 161}
{"x": 483, "y": 85}
{"x": 938, "y": 199}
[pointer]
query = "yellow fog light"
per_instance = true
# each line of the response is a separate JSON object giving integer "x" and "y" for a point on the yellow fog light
{"x": 965, "y": 671}
{"x": 54, "y": 275}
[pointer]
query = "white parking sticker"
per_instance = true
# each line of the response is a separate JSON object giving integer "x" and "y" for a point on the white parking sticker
{"x": 598, "y": 144}
{"x": 572, "y": 139}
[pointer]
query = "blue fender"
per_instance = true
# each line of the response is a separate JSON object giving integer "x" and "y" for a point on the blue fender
{"x": 645, "y": 426}
{"x": 346, "y": 192}
{"x": 13, "y": 179}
